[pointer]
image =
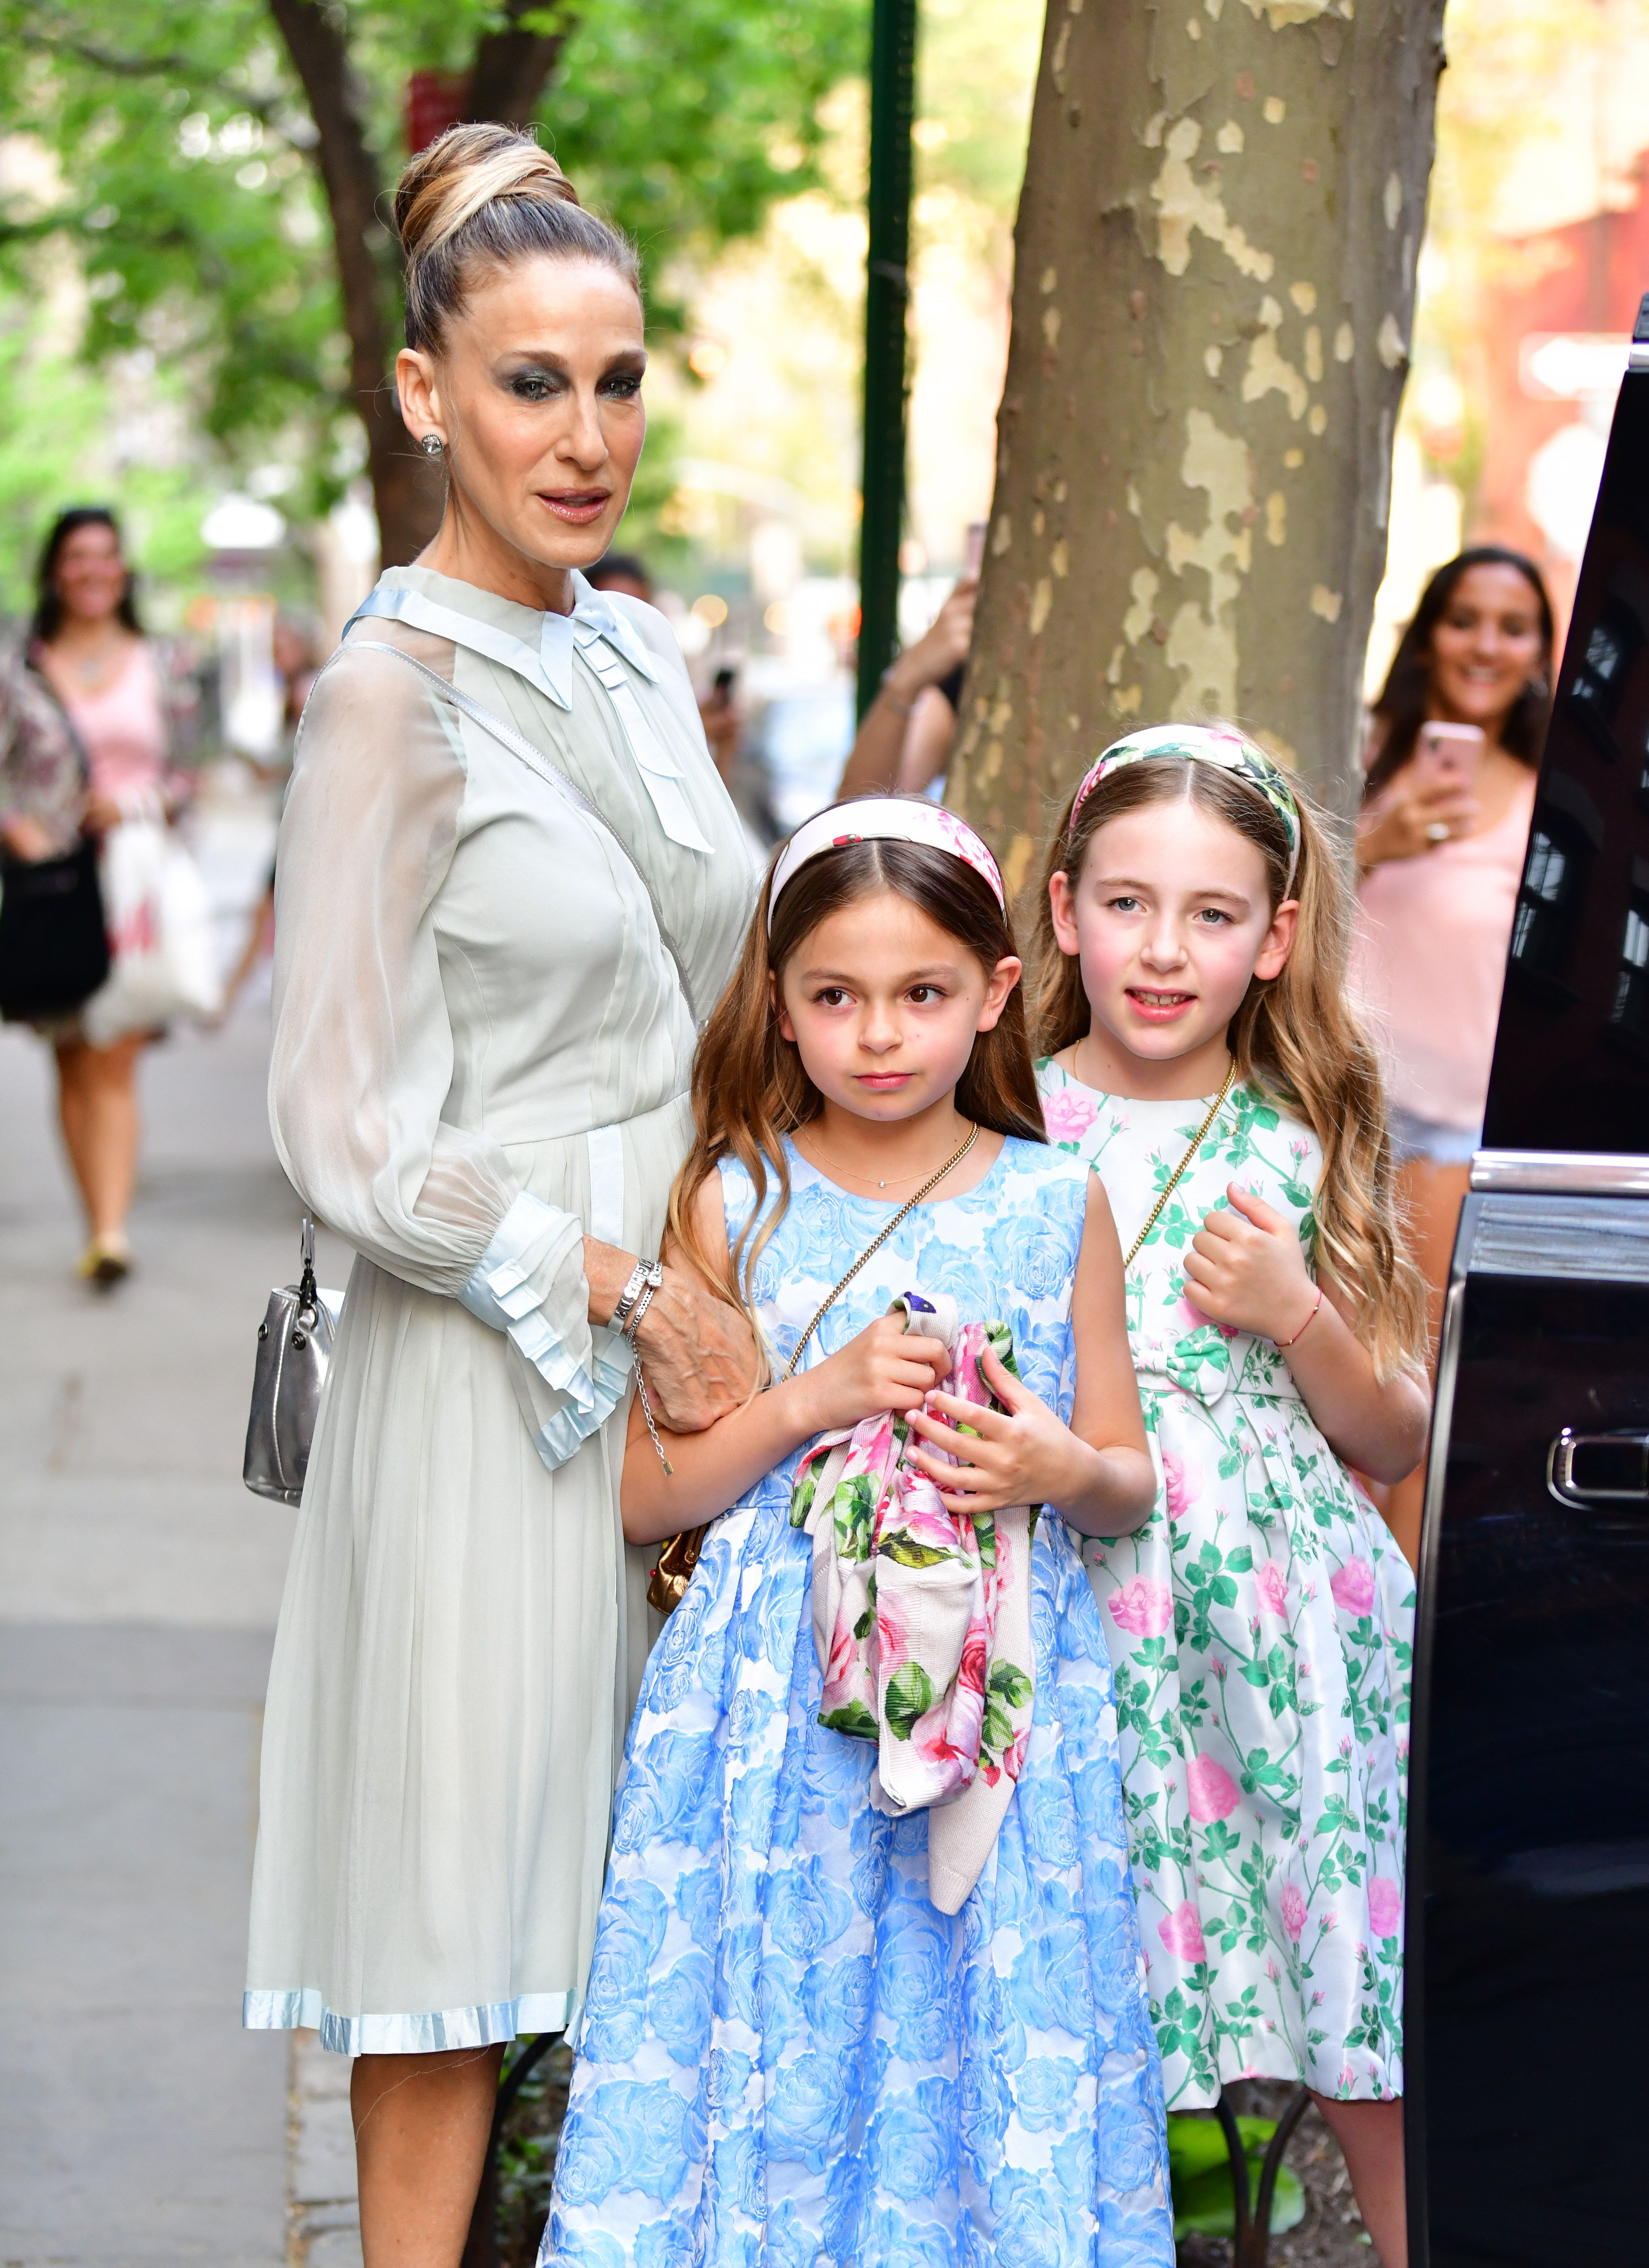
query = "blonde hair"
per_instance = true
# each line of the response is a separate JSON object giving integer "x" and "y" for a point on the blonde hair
{"x": 750, "y": 1086}
{"x": 1294, "y": 1035}
{"x": 485, "y": 197}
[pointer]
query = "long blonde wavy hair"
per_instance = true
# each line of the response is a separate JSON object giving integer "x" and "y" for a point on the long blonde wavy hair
{"x": 1295, "y": 1035}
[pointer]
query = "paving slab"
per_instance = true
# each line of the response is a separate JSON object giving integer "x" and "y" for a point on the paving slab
{"x": 139, "y": 1583}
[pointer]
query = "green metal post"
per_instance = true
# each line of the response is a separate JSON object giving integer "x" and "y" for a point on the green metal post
{"x": 886, "y": 293}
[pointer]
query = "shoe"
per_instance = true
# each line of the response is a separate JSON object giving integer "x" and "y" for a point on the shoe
{"x": 105, "y": 1260}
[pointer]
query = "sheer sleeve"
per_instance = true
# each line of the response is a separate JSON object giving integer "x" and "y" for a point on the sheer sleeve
{"x": 362, "y": 1054}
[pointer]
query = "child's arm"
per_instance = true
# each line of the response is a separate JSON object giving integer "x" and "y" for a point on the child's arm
{"x": 1245, "y": 1269}
{"x": 1096, "y": 1472}
{"x": 883, "y": 1368}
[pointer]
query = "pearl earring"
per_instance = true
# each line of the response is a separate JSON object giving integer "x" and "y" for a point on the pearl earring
{"x": 432, "y": 445}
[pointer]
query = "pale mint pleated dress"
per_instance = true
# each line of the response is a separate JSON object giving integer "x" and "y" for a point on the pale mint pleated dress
{"x": 482, "y": 1053}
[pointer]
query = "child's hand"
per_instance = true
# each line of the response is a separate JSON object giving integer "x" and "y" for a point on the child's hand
{"x": 886, "y": 1368}
{"x": 1023, "y": 1453}
{"x": 1245, "y": 1270}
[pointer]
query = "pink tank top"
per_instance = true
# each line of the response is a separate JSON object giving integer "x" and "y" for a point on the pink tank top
{"x": 1429, "y": 961}
{"x": 123, "y": 729}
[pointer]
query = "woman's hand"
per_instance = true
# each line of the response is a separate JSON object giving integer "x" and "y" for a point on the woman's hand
{"x": 27, "y": 839}
{"x": 886, "y": 1368}
{"x": 103, "y": 814}
{"x": 1022, "y": 1453}
{"x": 1402, "y": 822}
{"x": 699, "y": 1352}
{"x": 1245, "y": 1270}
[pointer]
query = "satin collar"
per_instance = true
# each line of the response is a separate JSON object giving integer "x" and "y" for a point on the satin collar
{"x": 547, "y": 664}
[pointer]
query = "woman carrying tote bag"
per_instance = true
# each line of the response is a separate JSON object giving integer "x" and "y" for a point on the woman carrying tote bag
{"x": 503, "y": 832}
{"x": 116, "y": 687}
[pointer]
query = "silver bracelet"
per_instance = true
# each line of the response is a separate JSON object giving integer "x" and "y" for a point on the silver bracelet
{"x": 642, "y": 1306}
{"x": 644, "y": 1273}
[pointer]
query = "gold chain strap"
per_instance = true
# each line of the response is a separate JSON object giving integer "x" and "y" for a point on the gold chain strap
{"x": 908, "y": 1207}
{"x": 1197, "y": 1140}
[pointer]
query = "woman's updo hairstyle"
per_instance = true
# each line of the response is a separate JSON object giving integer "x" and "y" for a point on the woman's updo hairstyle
{"x": 485, "y": 197}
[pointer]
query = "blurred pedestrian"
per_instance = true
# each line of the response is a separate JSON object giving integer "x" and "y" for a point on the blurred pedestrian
{"x": 622, "y": 571}
{"x": 87, "y": 650}
{"x": 483, "y": 1032}
{"x": 296, "y": 663}
{"x": 1440, "y": 851}
{"x": 722, "y": 720}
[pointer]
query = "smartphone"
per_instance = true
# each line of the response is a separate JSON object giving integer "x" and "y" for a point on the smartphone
{"x": 1447, "y": 756}
{"x": 975, "y": 554}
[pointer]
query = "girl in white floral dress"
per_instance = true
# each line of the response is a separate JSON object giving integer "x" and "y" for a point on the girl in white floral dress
{"x": 1201, "y": 1058}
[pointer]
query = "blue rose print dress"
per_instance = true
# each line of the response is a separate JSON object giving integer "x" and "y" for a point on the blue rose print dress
{"x": 1260, "y": 1625}
{"x": 788, "y": 2055}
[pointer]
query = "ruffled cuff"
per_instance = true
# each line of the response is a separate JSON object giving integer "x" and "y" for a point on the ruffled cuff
{"x": 530, "y": 1285}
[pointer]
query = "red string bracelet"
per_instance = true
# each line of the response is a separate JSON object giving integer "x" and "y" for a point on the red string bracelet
{"x": 1305, "y": 1327}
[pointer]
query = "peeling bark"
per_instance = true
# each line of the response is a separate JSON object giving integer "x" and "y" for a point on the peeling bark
{"x": 1213, "y": 292}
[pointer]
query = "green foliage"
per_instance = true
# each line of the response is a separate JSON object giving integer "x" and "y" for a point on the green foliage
{"x": 184, "y": 155}
{"x": 1199, "y": 2167}
{"x": 53, "y": 450}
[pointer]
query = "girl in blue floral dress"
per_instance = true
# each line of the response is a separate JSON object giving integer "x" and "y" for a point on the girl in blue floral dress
{"x": 1204, "y": 1062}
{"x": 793, "y": 2050}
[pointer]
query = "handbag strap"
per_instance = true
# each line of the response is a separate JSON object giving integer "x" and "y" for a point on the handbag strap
{"x": 875, "y": 1245}
{"x": 1176, "y": 1177}
{"x": 551, "y": 774}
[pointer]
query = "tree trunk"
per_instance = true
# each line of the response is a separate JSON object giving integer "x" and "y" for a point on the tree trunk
{"x": 1213, "y": 289}
{"x": 406, "y": 494}
{"x": 511, "y": 66}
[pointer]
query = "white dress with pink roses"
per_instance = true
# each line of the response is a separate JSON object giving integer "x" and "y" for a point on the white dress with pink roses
{"x": 1259, "y": 1633}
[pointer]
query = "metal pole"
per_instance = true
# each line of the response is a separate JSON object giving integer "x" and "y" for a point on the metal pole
{"x": 886, "y": 293}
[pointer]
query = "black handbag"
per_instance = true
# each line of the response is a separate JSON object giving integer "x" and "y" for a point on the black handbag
{"x": 54, "y": 944}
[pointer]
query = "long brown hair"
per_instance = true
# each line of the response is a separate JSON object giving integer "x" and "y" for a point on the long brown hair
{"x": 1294, "y": 1034}
{"x": 1401, "y": 707}
{"x": 750, "y": 1086}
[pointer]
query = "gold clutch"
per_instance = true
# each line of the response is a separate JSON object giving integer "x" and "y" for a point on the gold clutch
{"x": 668, "y": 1586}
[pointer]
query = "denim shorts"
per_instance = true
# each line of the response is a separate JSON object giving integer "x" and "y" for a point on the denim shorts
{"x": 1414, "y": 1137}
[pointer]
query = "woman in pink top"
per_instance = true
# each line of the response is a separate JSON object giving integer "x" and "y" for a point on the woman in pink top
{"x": 88, "y": 647}
{"x": 1441, "y": 869}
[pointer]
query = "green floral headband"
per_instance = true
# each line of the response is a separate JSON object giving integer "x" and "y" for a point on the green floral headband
{"x": 1205, "y": 744}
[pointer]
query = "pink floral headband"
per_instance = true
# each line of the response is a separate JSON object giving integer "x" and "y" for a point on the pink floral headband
{"x": 886, "y": 819}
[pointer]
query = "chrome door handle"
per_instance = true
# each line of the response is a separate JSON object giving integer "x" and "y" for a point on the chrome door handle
{"x": 1599, "y": 1467}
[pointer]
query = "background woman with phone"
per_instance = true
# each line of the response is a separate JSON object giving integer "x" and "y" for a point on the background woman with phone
{"x": 1458, "y": 730}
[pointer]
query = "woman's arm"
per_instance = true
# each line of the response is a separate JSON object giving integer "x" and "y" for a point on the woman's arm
{"x": 873, "y": 763}
{"x": 883, "y": 1368}
{"x": 1096, "y": 1472}
{"x": 1246, "y": 1270}
{"x": 42, "y": 772}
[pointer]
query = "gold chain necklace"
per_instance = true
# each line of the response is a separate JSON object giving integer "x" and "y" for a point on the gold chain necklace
{"x": 1172, "y": 1181}
{"x": 899, "y": 1180}
{"x": 875, "y": 1245}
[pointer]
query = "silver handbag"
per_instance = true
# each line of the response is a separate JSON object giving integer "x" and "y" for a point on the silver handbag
{"x": 294, "y": 1348}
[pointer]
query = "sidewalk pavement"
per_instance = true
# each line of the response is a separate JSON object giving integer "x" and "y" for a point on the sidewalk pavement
{"x": 138, "y": 1589}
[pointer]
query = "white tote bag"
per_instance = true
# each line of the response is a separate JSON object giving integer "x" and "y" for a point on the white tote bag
{"x": 160, "y": 929}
